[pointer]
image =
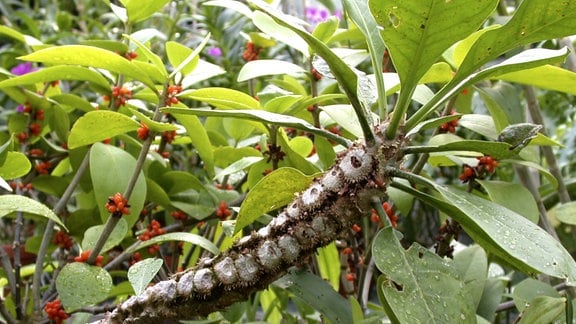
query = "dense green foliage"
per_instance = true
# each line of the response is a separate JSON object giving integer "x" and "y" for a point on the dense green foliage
{"x": 139, "y": 137}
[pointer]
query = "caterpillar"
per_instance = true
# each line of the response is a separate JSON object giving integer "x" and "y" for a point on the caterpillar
{"x": 316, "y": 217}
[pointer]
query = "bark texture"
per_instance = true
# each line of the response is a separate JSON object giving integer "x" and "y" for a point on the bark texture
{"x": 315, "y": 218}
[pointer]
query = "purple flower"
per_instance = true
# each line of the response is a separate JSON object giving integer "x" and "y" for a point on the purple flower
{"x": 23, "y": 68}
{"x": 316, "y": 15}
{"x": 20, "y": 108}
{"x": 215, "y": 51}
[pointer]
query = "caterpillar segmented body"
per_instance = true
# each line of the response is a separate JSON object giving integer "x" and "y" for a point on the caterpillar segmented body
{"x": 317, "y": 216}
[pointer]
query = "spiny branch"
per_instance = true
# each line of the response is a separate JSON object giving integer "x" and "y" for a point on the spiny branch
{"x": 319, "y": 215}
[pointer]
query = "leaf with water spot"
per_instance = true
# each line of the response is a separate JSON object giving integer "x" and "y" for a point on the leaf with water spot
{"x": 80, "y": 285}
{"x": 93, "y": 233}
{"x": 142, "y": 273}
{"x": 417, "y": 277}
{"x": 16, "y": 203}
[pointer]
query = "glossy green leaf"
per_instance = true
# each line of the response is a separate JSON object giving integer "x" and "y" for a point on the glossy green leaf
{"x": 232, "y": 5}
{"x": 141, "y": 273}
{"x": 293, "y": 159}
{"x": 59, "y": 72}
{"x": 187, "y": 63}
{"x": 544, "y": 171}
{"x": 139, "y": 10}
{"x": 417, "y": 277}
{"x": 544, "y": 309}
{"x": 223, "y": 98}
{"x": 15, "y": 165}
{"x": 272, "y": 192}
{"x": 199, "y": 137}
{"x": 325, "y": 29}
{"x": 566, "y": 213}
{"x": 265, "y": 117}
{"x": 180, "y": 181}
{"x": 491, "y": 298}
{"x": 318, "y": 294}
{"x": 327, "y": 257}
{"x": 16, "y": 203}
{"x": 177, "y": 53}
{"x": 177, "y": 236}
{"x": 80, "y": 285}
{"x": 546, "y": 77}
{"x": 108, "y": 180}
{"x": 258, "y": 68}
{"x": 153, "y": 125}
{"x": 239, "y": 129}
{"x": 98, "y": 125}
{"x": 12, "y": 33}
{"x": 418, "y": 32}
{"x": 510, "y": 236}
{"x": 93, "y": 233}
{"x": 525, "y": 291}
{"x": 239, "y": 165}
{"x": 472, "y": 266}
{"x": 301, "y": 145}
{"x": 512, "y": 196}
{"x": 357, "y": 10}
{"x": 525, "y": 60}
{"x": 279, "y": 31}
{"x": 92, "y": 57}
{"x": 152, "y": 57}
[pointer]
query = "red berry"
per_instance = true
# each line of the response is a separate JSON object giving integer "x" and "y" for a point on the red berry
{"x": 356, "y": 228}
{"x": 350, "y": 277}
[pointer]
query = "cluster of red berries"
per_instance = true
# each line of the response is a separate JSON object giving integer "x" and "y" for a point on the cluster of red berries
{"x": 223, "y": 212}
{"x": 55, "y": 311}
{"x": 143, "y": 131}
{"x": 35, "y": 125}
{"x": 120, "y": 95}
{"x": 43, "y": 167}
{"x": 83, "y": 257}
{"x": 130, "y": 55}
{"x": 20, "y": 185}
{"x": 63, "y": 240}
{"x": 389, "y": 212}
{"x": 117, "y": 205}
{"x": 168, "y": 136}
{"x": 449, "y": 127}
{"x": 179, "y": 215}
{"x": 35, "y": 153}
{"x": 251, "y": 52}
{"x": 227, "y": 187}
{"x": 486, "y": 165}
{"x": 136, "y": 257}
{"x": 351, "y": 274}
{"x": 171, "y": 94}
{"x": 154, "y": 229}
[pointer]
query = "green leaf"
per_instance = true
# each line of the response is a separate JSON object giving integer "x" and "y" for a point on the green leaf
{"x": 327, "y": 257}
{"x": 239, "y": 165}
{"x": 318, "y": 294}
{"x": 546, "y": 77}
{"x": 510, "y": 236}
{"x": 544, "y": 309}
{"x": 142, "y": 273}
{"x": 525, "y": 60}
{"x": 26, "y": 39}
{"x": 177, "y": 236}
{"x": 265, "y": 117}
{"x": 566, "y": 213}
{"x": 272, "y": 192}
{"x": 109, "y": 180}
{"x": 16, "y": 203}
{"x": 152, "y": 57}
{"x": 418, "y": 32}
{"x": 92, "y": 57}
{"x": 357, "y": 10}
{"x": 279, "y": 31}
{"x": 180, "y": 181}
{"x": 258, "y": 68}
{"x": 223, "y": 98}
{"x": 232, "y": 5}
{"x": 533, "y": 21}
{"x": 528, "y": 289}
{"x": 301, "y": 145}
{"x": 472, "y": 266}
{"x": 491, "y": 298}
{"x": 93, "y": 233}
{"x": 15, "y": 165}
{"x": 347, "y": 78}
{"x": 325, "y": 29}
{"x": 139, "y": 10}
{"x": 512, "y": 196}
{"x": 98, "y": 125}
{"x": 80, "y": 285}
{"x": 153, "y": 125}
{"x": 59, "y": 72}
{"x": 421, "y": 279}
{"x": 178, "y": 53}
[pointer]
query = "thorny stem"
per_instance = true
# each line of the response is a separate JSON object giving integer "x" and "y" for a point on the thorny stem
{"x": 47, "y": 237}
